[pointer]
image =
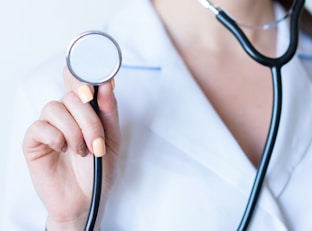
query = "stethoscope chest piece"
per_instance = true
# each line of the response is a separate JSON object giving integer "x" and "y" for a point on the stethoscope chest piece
{"x": 93, "y": 57}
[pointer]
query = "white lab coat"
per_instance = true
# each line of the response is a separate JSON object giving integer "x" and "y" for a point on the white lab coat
{"x": 180, "y": 168}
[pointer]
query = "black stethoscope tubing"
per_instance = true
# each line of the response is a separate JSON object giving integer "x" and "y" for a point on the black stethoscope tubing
{"x": 275, "y": 64}
{"x": 97, "y": 177}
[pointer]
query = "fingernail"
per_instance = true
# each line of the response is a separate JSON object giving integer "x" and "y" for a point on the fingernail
{"x": 113, "y": 83}
{"x": 99, "y": 148}
{"x": 64, "y": 148}
{"x": 82, "y": 149}
{"x": 85, "y": 93}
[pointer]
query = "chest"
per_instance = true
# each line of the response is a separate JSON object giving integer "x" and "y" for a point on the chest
{"x": 240, "y": 91}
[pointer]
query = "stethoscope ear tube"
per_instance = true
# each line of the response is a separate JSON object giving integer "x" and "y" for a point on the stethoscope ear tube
{"x": 233, "y": 27}
{"x": 275, "y": 65}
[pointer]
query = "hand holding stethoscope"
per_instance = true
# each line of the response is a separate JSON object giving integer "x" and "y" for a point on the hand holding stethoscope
{"x": 67, "y": 130}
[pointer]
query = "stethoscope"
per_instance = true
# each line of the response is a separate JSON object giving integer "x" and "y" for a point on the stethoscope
{"x": 95, "y": 57}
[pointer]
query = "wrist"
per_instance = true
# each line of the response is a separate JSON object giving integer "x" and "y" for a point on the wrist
{"x": 68, "y": 225}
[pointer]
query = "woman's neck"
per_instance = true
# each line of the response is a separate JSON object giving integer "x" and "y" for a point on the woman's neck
{"x": 187, "y": 21}
{"x": 237, "y": 87}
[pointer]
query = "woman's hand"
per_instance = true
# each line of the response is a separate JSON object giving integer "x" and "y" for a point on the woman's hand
{"x": 58, "y": 150}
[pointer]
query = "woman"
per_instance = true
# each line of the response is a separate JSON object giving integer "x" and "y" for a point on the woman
{"x": 181, "y": 148}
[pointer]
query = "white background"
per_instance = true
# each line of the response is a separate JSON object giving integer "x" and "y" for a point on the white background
{"x": 34, "y": 30}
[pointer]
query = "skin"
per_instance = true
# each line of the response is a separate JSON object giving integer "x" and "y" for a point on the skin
{"x": 241, "y": 96}
{"x": 53, "y": 145}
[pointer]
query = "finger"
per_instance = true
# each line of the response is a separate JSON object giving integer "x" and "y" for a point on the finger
{"x": 88, "y": 122}
{"x": 109, "y": 115}
{"x": 83, "y": 90}
{"x": 41, "y": 138}
{"x": 57, "y": 114}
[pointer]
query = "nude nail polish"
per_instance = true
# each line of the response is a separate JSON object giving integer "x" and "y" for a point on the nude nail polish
{"x": 112, "y": 83}
{"x": 82, "y": 149}
{"x": 99, "y": 148}
{"x": 85, "y": 93}
{"x": 64, "y": 148}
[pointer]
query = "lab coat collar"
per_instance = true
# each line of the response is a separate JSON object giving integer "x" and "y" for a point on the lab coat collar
{"x": 195, "y": 128}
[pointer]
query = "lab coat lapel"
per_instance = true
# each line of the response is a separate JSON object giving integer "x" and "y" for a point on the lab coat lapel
{"x": 185, "y": 118}
{"x": 294, "y": 135}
